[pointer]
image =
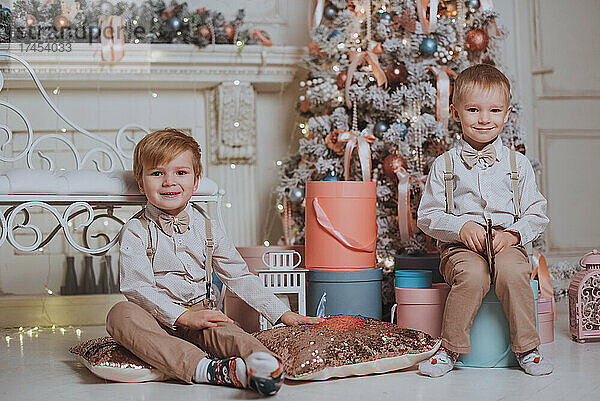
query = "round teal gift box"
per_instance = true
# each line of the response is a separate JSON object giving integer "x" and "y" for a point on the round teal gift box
{"x": 413, "y": 278}
{"x": 348, "y": 292}
{"x": 490, "y": 334}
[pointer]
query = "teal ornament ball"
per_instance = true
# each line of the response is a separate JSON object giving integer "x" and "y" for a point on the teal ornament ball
{"x": 333, "y": 34}
{"x": 402, "y": 130}
{"x": 380, "y": 127}
{"x": 428, "y": 46}
{"x": 5, "y": 12}
{"x": 296, "y": 195}
{"x": 174, "y": 24}
{"x": 331, "y": 177}
{"x": 329, "y": 13}
{"x": 473, "y": 4}
{"x": 386, "y": 18}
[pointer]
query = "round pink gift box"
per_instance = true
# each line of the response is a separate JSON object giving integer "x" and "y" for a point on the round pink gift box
{"x": 422, "y": 308}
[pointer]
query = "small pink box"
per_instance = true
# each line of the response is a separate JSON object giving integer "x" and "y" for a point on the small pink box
{"x": 546, "y": 327}
{"x": 544, "y": 305}
{"x": 422, "y": 308}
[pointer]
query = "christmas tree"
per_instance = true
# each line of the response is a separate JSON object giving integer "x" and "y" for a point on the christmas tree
{"x": 375, "y": 105}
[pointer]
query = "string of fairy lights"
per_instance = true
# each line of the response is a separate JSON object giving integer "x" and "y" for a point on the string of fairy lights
{"x": 20, "y": 334}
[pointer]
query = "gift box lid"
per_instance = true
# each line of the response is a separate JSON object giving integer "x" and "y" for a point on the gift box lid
{"x": 435, "y": 295}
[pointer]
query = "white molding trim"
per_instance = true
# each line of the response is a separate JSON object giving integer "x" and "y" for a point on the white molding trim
{"x": 159, "y": 65}
{"x": 545, "y": 137}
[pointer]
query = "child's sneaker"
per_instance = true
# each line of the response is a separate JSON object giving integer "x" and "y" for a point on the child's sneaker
{"x": 533, "y": 363}
{"x": 227, "y": 372}
{"x": 439, "y": 364}
{"x": 265, "y": 373}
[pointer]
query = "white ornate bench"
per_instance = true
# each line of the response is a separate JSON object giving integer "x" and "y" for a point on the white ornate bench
{"x": 68, "y": 193}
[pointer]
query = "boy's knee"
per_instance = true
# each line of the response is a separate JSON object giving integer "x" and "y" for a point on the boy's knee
{"x": 118, "y": 313}
{"x": 512, "y": 267}
{"x": 513, "y": 275}
{"x": 473, "y": 274}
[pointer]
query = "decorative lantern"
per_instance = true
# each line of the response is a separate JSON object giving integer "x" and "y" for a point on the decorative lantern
{"x": 584, "y": 299}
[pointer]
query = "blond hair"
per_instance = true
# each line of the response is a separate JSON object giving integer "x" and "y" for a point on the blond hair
{"x": 483, "y": 75}
{"x": 162, "y": 146}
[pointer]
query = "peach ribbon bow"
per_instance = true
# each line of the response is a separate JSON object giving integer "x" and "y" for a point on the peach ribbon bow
{"x": 370, "y": 56}
{"x": 362, "y": 141}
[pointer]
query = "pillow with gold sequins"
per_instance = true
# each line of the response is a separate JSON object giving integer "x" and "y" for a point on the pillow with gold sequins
{"x": 108, "y": 360}
{"x": 344, "y": 346}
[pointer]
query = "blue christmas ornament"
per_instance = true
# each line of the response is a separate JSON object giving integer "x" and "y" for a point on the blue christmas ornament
{"x": 5, "y": 11}
{"x": 333, "y": 34}
{"x": 296, "y": 195}
{"x": 380, "y": 127}
{"x": 473, "y": 4}
{"x": 402, "y": 129}
{"x": 174, "y": 24}
{"x": 331, "y": 177}
{"x": 329, "y": 13}
{"x": 428, "y": 46}
{"x": 386, "y": 18}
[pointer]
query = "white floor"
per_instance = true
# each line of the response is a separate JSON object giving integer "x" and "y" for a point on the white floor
{"x": 41, "y": 368}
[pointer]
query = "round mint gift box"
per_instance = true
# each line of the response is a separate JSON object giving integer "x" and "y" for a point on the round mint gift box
{"x": 413, "y": 278}
{"x": 490, "y": 334}
{"x": 355, "y": 292}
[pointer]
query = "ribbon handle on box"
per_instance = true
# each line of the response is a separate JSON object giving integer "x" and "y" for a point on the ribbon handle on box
{"x": 540, "y": 268}
{"x": 347, "y": 241}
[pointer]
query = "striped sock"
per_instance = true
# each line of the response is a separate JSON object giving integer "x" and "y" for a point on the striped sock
{"x": 226, "y": 372}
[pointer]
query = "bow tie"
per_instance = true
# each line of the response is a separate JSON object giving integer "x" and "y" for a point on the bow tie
{"x": 169, "y": 223}
{"x": 471, "y": 156}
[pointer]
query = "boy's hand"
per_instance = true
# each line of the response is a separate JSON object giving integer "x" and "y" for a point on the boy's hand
{"x": 473, "y": 236}
{"x": 504, "y": 239}
{"x": 290, "y": 318}
{"x": 201, "y": 319}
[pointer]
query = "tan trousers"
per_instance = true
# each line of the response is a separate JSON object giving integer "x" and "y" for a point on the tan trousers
{"x": 176, "y": 352}
{"x": 468, "y": 274}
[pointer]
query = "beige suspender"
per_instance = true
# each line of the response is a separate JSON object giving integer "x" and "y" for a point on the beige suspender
{"x": 151, "y": 250}
{"x": 514, "y": 176}
{"x": 449, "y": 177}
{"x": 209, "y": 302}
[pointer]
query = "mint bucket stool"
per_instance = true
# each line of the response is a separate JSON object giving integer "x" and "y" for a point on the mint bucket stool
{"x": 490, "y": 335}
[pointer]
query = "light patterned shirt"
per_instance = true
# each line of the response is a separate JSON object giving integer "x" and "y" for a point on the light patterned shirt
{"x": 177, "y": 275}
{"x": 480, "y": 193}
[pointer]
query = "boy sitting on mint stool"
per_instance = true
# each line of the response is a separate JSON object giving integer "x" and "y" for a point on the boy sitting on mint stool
{"x": 480, "y": 188}
{"x": 165, "y": 259}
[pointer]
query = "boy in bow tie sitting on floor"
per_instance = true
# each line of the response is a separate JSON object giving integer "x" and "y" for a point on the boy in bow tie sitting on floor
{"x": 163, "y": 254}
{"x": 478, "y": 181}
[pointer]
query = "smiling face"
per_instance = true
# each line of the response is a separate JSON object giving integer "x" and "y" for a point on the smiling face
{"x": 482, "y": 114}
{"x": 170, "y": 185}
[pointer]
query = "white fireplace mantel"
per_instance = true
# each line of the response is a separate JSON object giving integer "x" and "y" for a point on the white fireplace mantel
{"x": 157, "y": 66}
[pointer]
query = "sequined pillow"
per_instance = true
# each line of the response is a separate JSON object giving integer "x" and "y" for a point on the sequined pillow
{"x": 346, "y": 346}
{"x": 108, "y": 360}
